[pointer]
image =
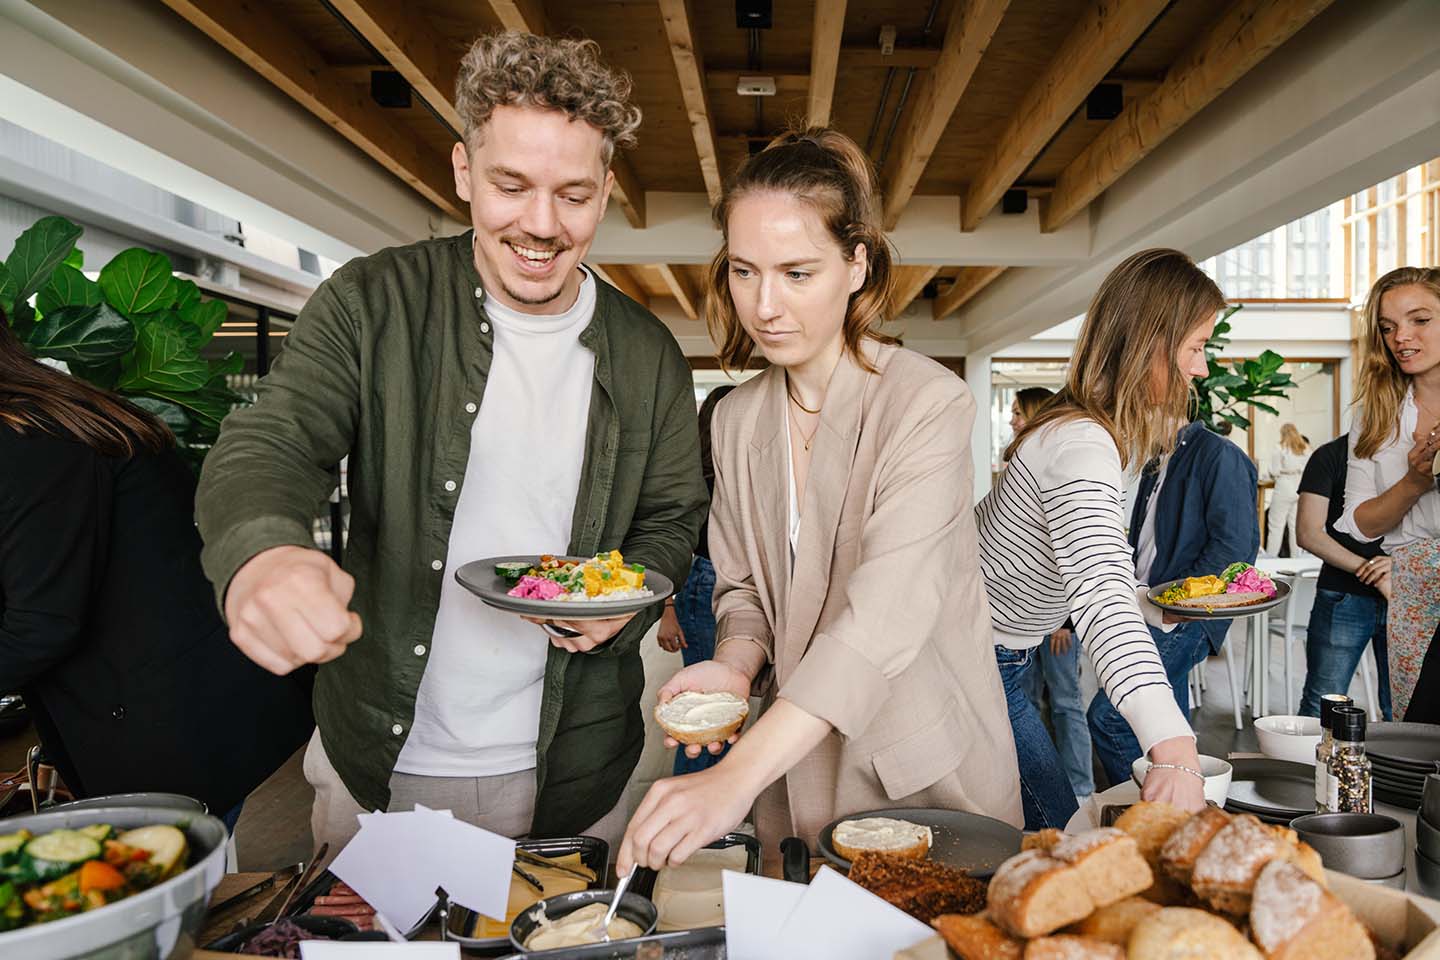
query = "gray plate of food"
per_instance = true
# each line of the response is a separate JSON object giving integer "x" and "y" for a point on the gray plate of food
{"x": 531, "y": 585}
{"x": 1218, "y": 606}
{"x": 967, "y": 841}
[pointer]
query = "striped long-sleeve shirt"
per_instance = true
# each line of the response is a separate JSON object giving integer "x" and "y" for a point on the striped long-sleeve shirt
{"x": 1052, "y": 546}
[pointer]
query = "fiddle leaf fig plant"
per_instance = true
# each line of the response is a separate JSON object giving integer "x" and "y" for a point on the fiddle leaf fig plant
{"x": 1222, "y": 393}
{"x": 137, "y": 330}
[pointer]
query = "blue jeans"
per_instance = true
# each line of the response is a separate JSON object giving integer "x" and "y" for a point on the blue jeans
{"x": 1115, "y": 742}
{"x": 1067, "y": 714}
{"x": 696, "y": 615}
{"x": 1341, "y": 624}
{"x": 1045, "y": 793}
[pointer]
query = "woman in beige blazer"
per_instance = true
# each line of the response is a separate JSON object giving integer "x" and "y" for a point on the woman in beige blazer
{"x": 847, "y": 589}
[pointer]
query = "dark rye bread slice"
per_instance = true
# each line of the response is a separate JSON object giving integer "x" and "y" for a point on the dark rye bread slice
{"x": 924, "y": 889}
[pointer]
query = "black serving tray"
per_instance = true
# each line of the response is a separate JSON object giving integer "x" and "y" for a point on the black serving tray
{"x": 706, "y": 944}
{"x": 644, "y": 882}
{"x": 460, "y": 921}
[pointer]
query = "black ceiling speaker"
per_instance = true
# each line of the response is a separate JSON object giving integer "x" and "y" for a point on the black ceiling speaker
{"x": 389, "y": 89}
{"x": 1014, "y": 201}
{"x": 1105, "y": 102}
{"x": 753, "y": 14}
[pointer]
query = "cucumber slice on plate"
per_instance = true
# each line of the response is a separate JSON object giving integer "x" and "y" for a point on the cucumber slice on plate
{"x": 99, "y": 831}
{"x": 58, "y": 852}
{"x": 511, "y": 570}
{"x": 10, "y": 846}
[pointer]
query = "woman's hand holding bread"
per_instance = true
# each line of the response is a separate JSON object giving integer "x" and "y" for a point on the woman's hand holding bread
{"x": 707, "y": 676}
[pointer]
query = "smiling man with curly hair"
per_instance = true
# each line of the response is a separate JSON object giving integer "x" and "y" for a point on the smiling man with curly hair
{"x": 493, "y": 397}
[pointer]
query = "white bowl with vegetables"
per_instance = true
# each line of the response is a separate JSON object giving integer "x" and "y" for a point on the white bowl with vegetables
{"x": 117, "y": 883}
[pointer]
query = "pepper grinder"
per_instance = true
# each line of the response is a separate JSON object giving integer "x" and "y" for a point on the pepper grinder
{"x": 1349, "y": 767}
{"x": 1323, "y": 749}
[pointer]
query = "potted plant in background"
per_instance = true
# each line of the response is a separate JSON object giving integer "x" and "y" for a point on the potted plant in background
{"x": 1222, "y": 393}
{"x": 138, "y": 329}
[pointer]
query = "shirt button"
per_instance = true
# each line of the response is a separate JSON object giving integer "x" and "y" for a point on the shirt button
{"x": 484, "y": 327}
{"x": 437, "y": 564}
{"x": 396, "y": 729}
{"x": 419, "y": 649}
{"x": 471, "y": 408}
{"x": 479, "y": 293}
{"x": 450, "y": 485}
{"x": 118, "y": 712}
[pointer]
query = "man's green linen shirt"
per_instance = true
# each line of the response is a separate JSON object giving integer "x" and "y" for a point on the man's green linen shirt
{"x": 387, "y": 363}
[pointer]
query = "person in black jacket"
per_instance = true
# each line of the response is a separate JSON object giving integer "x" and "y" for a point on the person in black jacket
{"x": 108, "y": 627}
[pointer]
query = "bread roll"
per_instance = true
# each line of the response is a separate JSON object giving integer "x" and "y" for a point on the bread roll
{"x": 1184, "y": 933}
{"x": 1108, "y": 863}
{"x": 1115, "y": 923}
{"x": 693, "y": 717}
{"x": 974, "y": 937}
{"x": 1033, "y": 894}
{"x": 1065, "y": 947}
{"x": 1225, "y": 871}
{"x": 1177, "y": 856}
{"x": 1151, "y": 823}
{"x": 899, "y": 838}
{"x": 1294, "y": 918}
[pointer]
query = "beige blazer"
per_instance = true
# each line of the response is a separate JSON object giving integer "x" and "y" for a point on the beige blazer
{"x": 883, "y": 628}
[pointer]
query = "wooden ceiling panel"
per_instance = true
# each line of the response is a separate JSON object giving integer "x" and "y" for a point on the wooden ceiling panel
{"x": 323, "y": 33}
{"x": 786, "y": 44}
{"x": 1028, "y": 38}
{"x": 632, "y": 36}
{"x": 1169, "y": 37}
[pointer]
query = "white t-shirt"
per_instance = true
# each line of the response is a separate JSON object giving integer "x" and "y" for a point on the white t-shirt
{"x": 1367, "y": 478}
{"x": 1145, "y": 549}
{"x": 477, "y": 713}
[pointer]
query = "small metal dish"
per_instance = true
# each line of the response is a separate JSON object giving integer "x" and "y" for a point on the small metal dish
{"x": 633, "y": 907}
{"x": 1370, "y": 846}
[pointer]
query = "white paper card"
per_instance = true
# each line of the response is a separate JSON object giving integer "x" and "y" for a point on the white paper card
{"x": 323, "y": 950}
{"x": 398, "y": 859}
{"x": 841, "y": 920}
{"x": 755, "y": 910}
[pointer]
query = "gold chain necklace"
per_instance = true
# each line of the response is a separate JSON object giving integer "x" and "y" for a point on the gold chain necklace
{"x": 804, "y": 439}
{"x": 796, "y": 400}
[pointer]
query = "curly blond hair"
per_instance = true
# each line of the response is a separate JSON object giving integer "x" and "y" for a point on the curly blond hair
{"x": 521, "y": 69}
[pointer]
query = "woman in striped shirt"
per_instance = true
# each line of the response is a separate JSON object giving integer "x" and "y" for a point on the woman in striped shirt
{"x": 1052, "y": 535}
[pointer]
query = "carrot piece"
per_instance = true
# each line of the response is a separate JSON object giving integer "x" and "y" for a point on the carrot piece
{"x": 99, "y": 875}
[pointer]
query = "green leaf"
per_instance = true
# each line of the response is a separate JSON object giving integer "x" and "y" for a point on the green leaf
{"x": 169, "y": 413}
{"x": 1236, "y": 419}
{"x": 68, "y": 287}
{"x": 209, "y": 405}
{"x": 37, "y": 253}
{"x": 90, "y": 334}
{"x": 138, "y": 281}
{"x": 163, "y": 360}
{"x": 186, "y": 293}
{"x": 8, "y": 289}
{"x": 103, "y": 375}
{"x": 1270, "y": 363}
{"x": 1264, "y": 406}
{"x": 22, "y": 319}
{"x": 201, "y": 320}
{"x": 232, "y": 363}
{"x": 76, "y": 259}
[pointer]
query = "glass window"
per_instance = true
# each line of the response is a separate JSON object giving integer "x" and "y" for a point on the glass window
{"x": 1007, "y": 378}
{"x": 1247, "y": 271}
{"x": 1308, "y": 256}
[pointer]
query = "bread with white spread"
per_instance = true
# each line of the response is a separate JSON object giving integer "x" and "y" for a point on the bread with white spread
{"x": 701, "y": 718}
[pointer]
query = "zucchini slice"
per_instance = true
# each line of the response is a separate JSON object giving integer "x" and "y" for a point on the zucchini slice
{"x": 58, "y": 852}
{"x": 10, "y": 846}
{"x": 512, "y": 570}
{"x": 166, "y": 845}
{"x": 100, "y": 832}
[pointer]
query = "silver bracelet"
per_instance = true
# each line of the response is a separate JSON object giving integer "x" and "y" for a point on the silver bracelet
{"x": 1177, "y": 766}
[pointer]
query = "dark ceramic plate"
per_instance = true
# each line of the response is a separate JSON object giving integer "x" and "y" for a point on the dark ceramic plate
{"x": 1282, "y": 590}
{"x": 1278, "y": 789}
{"x": 967, "y": 841}
{"x": 480, "y": 578}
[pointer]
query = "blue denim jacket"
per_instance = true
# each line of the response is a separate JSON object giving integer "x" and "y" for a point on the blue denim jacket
{"x": 1205, "y": 519}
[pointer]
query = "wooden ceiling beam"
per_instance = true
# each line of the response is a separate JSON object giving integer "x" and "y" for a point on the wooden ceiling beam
{"x": 912, "y": 284}
{"x": 413, "y": 48}
{"x": 690, "y": 69}
{"x": 863, "y": 58}
{"x": 274, "y": 50}
{"x": 824, "y": 59}
{"x": 623, "y": 279}
{"x": 1243, "y": 36}
{"x": 528, "y": 16}
{"x": 681, "y": 288}
{"x": 966, "y": 38}
{"x": 1105, "y": 31}
{"x": 970, "y": 282}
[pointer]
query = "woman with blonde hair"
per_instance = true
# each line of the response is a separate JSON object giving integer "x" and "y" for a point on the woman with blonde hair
{"x": 1390, "y": 488}
{"x": 1286, "y": 466}
{"x": 841, "y": 530}
{"x": 1052, "y": 532}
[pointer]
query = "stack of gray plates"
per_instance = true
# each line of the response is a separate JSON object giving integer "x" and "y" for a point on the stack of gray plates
{"x": 1401, "y": 754}
{"x": 1276, "y": 791}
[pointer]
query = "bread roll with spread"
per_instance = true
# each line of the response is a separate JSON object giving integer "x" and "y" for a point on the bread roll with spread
{"x": 899, "y": 838}
{"x": 701, "y": 718}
